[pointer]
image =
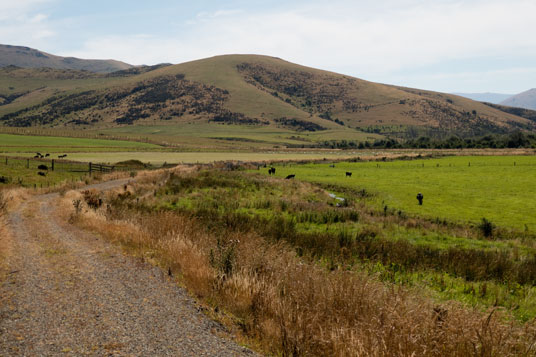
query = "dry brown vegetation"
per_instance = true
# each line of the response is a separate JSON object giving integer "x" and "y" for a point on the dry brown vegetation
{"x": 5, "y": 237}
{"x": 291, "y": 305}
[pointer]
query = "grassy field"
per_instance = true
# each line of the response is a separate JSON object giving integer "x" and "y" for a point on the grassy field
{"x": 201, "y": 135}
{"x": 50, "y": 144}
{"x": 23, "y": 172}
{"x": 462, "y": 189}
{"x": 290, "y": 264}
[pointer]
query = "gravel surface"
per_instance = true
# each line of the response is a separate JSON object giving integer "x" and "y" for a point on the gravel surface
{"x": 71, "y": 293}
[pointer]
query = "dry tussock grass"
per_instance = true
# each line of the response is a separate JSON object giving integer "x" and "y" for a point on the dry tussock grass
{"x": 13, "y": 197}
{"x": 295, "y": 307}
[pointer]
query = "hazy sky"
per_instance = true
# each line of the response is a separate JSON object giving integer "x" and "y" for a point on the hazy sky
{"x": 444, "y": 45}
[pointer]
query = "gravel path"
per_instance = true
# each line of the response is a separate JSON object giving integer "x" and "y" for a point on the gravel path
{"x": 71, "y": 293}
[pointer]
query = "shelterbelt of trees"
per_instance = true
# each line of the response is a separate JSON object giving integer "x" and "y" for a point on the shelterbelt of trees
{"x": 513, "y": 140}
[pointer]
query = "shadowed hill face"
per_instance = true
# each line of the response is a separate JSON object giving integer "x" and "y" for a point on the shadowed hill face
{"x": 525, "y": 100}
{"x": 240, "y": 89}
{"x": 30, "y": 58}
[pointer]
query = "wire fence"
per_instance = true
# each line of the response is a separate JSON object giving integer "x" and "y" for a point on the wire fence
{"x": 42, "y": 171}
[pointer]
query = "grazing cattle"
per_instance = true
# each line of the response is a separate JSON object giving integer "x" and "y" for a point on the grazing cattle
{"x": 37, "y": 157}
{"x": 42, "y": 173}
{"x": 332, "y": 165}
{"x": 62, "y": 156}
{"x": 271, "y": 171}
{"x": 47, "y": 155}
{"x": 42, "y": 167}
{"x": 3, "y": 179}
{"x": 348, "y": 174}
{"x": 420, "y": 198}
{"x": 290, "y": 177}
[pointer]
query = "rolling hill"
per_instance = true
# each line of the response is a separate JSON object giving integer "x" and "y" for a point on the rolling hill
{"x": 525, "y": 100}
{"x": 26, "y": 57}
{"x": 248, "y": 92}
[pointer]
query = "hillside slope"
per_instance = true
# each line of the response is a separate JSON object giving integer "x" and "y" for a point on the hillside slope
{"x": 525, "y": 100}
{"x": 250, "y": 90}
{"x": 31, "y": 58}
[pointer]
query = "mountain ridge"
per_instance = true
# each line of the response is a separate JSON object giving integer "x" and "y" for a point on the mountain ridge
{"x": 27, "y": 57}
{"x": 494, "y": 98}
{"x": 526, "y": 100}
{"x": 247, "y": 90}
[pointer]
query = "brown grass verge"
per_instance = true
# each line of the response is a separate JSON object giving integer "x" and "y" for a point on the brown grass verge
{"x": 6, "y": 200}
{"x": 294, "y": 307}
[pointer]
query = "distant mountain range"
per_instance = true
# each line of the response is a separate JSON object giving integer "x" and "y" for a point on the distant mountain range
{"x": 26, "y": 57}
{"x": 525, "y": 100}
{"x": 250, "y": 92}
{"x": 494, "y": 98}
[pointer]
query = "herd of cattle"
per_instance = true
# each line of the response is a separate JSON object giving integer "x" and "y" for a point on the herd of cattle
{"x": 44, "y": 168}
{"x": 38, "y": 155}
{"x": 271, "y": 171}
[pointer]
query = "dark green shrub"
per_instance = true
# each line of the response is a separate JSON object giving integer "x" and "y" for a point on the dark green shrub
{"x": 486, "y": 227}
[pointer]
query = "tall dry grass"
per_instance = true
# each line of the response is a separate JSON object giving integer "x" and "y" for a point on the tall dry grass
{"x": 295, "y": 307}
{"x": 8, "y": 200}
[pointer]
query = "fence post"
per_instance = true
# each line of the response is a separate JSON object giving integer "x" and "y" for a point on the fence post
{"x": 90, "y": 169}
{"x": 52, "y": 164}
{"x": 27, "y": 163}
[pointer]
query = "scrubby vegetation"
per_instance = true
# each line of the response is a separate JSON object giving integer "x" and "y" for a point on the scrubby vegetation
{"x": 309, "y": 273}
{"x": 162, "y": 97}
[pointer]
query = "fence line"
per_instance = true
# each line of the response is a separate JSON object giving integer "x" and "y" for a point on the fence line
{"x": 19, "y": 167}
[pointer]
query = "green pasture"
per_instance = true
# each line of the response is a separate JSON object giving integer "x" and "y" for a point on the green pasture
{"x": 443, "y": 261}
{"x": 30, "y": 144}
{"x": 210, "y": 135}
{"x": 23, "y": 172}
{"x": 156, "y": 158}
{"x": 464, "y": 188}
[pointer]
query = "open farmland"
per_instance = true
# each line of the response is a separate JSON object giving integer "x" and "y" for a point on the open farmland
{"x": 272, "y": 251}
{"x": 461, "y": 189}
{"x": 55, "y": 144}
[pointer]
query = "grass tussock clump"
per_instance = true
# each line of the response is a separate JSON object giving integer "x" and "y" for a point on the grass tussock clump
{"x": 288, "y": 304}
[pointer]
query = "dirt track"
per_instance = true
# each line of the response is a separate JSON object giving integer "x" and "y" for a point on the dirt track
{"x": 70, "y": 292}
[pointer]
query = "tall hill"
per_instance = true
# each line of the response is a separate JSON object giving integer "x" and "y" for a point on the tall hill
{"x": 241, "y": 90}
{"x": 525, "y": 100}
{"x": 31, "y": 58}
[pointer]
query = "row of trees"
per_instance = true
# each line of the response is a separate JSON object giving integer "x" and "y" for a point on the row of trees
{"x": 514, "y": 140}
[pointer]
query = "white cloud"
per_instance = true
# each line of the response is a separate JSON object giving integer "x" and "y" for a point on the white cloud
{"x": 380, "y": 39}
{"x": 357, "y": 34}
{"x": 21, "y": 23}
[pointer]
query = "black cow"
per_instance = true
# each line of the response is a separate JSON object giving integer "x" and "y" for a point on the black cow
{"x": 42, "y": 167}
{"x": 271, "y": 171}
{"x": 47, "y": 155}
{"x": 290, "y": 177}
{"x": 348, "y": 174}
{"x": 420, "y": 198}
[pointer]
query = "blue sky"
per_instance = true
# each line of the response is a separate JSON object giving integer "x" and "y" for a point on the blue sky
{"x": 443, "y": 45}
